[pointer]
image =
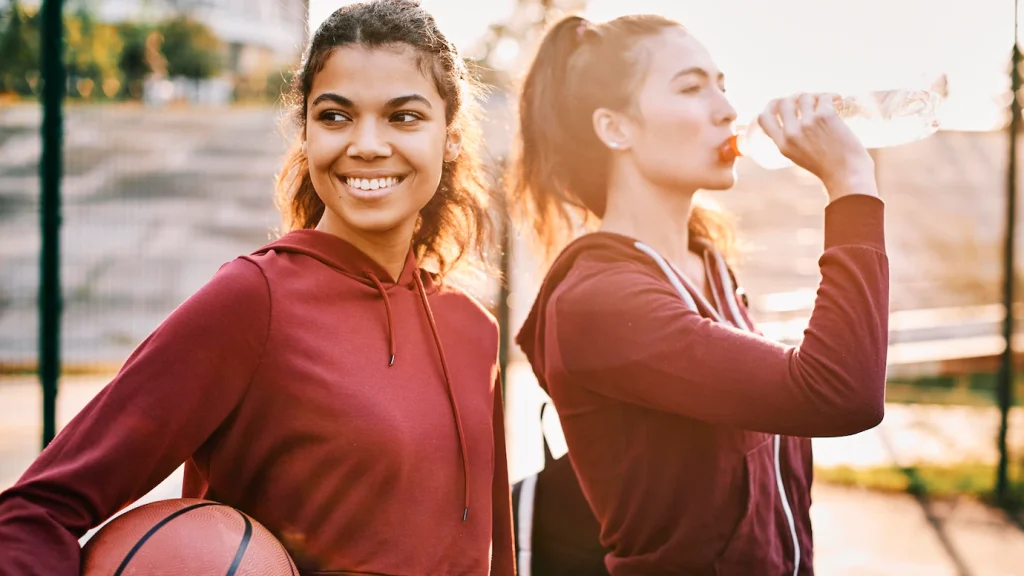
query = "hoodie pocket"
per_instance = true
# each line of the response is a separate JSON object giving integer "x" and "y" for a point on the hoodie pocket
{"x": 754, "y": 547}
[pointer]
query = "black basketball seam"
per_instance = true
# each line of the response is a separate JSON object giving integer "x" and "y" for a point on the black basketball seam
{"x": 138, "y": 545}
{"x": 246, "y": 536}
{"x": 342, "y": 572}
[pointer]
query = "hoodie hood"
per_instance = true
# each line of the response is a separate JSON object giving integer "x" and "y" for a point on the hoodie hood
{"x": 596, "y": 249}
{"x": 352, "y": 262}
{"x": 347, "y": 259}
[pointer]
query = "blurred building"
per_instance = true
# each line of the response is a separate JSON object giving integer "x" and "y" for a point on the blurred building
{"x": 260, "y": 35}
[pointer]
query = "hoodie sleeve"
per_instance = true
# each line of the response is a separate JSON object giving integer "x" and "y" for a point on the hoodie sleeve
{"x": 626, "y": 334}
{"x": 503, "y": 562}
{"x": 177, "y": 387}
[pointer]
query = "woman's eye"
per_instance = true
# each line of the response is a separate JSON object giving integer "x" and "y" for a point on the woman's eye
{"x": 691, "y": 89}
{"x": 405, "y": 117}
{"x": 333, "y": 117}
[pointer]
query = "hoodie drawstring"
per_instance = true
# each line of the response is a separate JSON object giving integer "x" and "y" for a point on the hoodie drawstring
{"x": 387, "y": 308}
{"x": 451, "y": 392}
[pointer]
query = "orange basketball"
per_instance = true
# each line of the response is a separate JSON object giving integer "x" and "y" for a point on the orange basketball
{"x": 185, "y": 536}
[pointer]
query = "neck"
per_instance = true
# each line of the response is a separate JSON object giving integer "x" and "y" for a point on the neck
{"x": 655, "y": 216}
{"x": 389, "y": 249}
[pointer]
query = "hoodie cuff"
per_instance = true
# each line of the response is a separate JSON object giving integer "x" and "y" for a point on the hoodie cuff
{"x": 855, "y": 220}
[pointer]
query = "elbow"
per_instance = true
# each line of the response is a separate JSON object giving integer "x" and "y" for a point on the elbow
{"x": 859, "y": 414}
{"x": 866, "y": 416}
{"x": 868, "y": 393}
{"x": 851, "y": 400}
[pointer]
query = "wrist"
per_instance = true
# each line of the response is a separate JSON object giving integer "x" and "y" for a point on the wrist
{"x": 855, "y": 182}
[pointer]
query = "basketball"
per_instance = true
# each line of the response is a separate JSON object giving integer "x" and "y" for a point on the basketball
{"x": 185, "y": 536}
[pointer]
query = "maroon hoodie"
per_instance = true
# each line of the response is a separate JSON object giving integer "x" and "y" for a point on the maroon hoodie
{"x": 671, "y": 404}
{"x": 358, "y": 418}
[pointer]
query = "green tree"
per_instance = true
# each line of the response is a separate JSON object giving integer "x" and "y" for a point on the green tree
{"x": 92, "y": 55}
{"x": 191, "y": 49}
{"x": 19, "y": 44}
{"x": 137, "y": 55}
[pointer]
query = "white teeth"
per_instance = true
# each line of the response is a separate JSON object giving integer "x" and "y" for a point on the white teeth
{"x": 374, "y": 184}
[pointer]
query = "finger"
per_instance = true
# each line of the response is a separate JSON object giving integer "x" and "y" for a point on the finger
{"x": 787, "y": 114}
{"x": 827, "y": 103}
{"x": 805, "y": 106}
{"x": 769, "y": 121}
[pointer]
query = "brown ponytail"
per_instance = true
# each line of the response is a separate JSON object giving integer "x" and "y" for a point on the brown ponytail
{"x": 559, "y": 173}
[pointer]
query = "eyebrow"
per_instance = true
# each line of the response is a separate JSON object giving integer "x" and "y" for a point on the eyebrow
{"x": 396, "y": 102}
{"x": 337, "y": 99}
{"x": 696, "y": 71}
{"x": 403, "y": 100}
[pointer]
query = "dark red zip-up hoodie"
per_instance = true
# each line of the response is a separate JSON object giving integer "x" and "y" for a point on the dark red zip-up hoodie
{"x": 357, "y": 417}
{"x": 671, "y": 413}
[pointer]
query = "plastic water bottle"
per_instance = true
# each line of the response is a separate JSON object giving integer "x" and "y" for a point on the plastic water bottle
{"x": 880, "y": 119}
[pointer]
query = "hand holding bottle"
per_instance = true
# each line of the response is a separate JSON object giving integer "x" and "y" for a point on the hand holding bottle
{"x": 808, "y": 130}
{"x": 880, "y": 119}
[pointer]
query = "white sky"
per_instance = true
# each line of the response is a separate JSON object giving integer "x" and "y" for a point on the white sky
{"x": 769, "y": 48}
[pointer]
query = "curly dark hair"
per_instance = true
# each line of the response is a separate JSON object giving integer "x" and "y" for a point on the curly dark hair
{"x": 455, "y": 222}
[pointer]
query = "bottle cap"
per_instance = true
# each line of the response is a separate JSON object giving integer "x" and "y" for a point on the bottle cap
{"x": 730, "y": 150}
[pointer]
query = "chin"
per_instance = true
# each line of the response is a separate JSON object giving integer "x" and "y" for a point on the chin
{"x": 724, "y": 182}
{"x": 716, "y": 176}
{"x": 377, "y": 225}
{"x": 374, "y": 222}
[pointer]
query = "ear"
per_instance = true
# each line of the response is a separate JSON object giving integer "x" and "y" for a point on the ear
{"x": 613, "y": 129}
{"x": 452, "y": 146}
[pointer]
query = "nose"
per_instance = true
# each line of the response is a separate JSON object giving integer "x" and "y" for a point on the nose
{"x": 724, "y": 111}
{"x": 367, "y": 142}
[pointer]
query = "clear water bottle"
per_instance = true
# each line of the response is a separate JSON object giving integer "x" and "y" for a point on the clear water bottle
{"x": 880, "y": 119}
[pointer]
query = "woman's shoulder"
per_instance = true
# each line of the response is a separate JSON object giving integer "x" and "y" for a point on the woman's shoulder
{"x": 608, "y": 283}
{"x": 465, "y": 301}
{"x": 601, "y": 265}
{"x": 239, "y": 283}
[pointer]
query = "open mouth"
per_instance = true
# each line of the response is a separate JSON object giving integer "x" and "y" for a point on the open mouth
{"x": 372, "y": 187}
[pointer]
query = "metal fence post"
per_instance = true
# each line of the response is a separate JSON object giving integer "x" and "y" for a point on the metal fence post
{"x": 1006, "y": 370}
{"x": 50, "y": 170}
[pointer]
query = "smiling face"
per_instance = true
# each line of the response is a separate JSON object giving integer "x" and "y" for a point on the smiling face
{"x": 376, "y": 141}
